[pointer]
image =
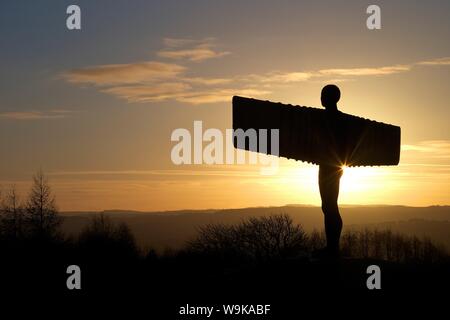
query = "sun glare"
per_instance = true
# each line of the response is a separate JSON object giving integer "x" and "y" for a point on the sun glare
{"x": 358, "y": 179}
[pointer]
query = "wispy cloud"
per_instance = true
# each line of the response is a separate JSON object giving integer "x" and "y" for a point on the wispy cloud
{"x": 434, "y": 149}
{"x": 129, "y": 73}
{"x": 278, "y": 77}
{"x": 193, "y": 50}
{"x": 436, "y": 62}
{"x": 153, "y": 81}
{"x": 149, "y": 93}
{"x": 229, "y": 171}
{"x": 180, "y": 92}
{"x": 36, "y": 115}
{"x": 338, "y": 74}
{"x": 378, "y": 71}
{"x": 208, "y": 81}
{"x": 194, "y": 54}
{"x": 218, "y": 95}
{"x": 184, "y": 42}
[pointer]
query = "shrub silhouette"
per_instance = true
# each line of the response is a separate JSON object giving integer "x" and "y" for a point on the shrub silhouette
{"x": 386, "y": 245}
{"x": 256, "y": 239}
{"x": 102, "y": 238}
{"x": 316, "y": 240}
{"x": 277, "y": 237}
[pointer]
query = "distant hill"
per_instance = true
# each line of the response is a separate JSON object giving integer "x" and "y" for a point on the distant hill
{"x": 171, "y": 229}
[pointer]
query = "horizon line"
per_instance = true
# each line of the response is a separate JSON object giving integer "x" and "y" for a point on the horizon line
{"x": 240, "y": 208}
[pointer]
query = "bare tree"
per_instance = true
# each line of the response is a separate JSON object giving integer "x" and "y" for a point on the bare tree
{"x": 42, "y": 215}
{"x": 101, "y": 226}
{"x": 416, "y": 248}
{"x": 275, "y": 236}
{"x": 259, "y": 238}
{"x": 364, "y": 238}
{"x": 349, "y": 241}
{"x": 377, "y": 250}
{"x": 214, "y": 238}
{"x": 12, "y": 222}
{"x": 103, "y": 229}
{"x": 388, "y": 245}
{"x": 104, "y": 237}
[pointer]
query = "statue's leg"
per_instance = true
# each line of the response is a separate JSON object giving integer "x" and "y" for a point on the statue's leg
{"x": 329, "y": 179}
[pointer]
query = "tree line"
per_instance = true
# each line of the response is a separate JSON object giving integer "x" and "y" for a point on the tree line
{"x": 252, "y": 240}
{"x": 277, "y": 237}
{"x": 36, "y": 217}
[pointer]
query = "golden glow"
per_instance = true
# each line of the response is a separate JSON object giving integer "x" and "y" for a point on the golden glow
{"x": 243, "y": 186}
{"x": 356, "y": 179}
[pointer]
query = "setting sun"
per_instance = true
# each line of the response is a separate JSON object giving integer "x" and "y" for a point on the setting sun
{"x": 100, "y": 123}
{"x": 211, "y": 158}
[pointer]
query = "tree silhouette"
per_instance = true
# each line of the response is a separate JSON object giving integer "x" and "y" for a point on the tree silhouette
{"x": 257, "y": 239}
{"x": 316, "y": 240}
{"x": 42, "y": 216}
{"x": 12, "y": 215}
{"x": 105, "y": 238}
{"x": 386, "y": 245}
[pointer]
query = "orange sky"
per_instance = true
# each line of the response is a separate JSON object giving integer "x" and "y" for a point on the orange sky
{"x": 95, "y": 109}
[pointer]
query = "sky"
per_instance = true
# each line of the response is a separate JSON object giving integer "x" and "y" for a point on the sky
{"x": 95, "y": 108}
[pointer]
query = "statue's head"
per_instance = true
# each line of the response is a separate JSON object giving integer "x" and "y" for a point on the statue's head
{"x": 330, "y": 96}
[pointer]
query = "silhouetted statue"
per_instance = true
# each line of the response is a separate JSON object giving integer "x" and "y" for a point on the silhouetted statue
{"x": 329, "y": 138}
{"x": 330, "y": 173}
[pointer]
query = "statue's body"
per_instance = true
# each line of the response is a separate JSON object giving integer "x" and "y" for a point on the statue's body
{"x": 330, "y": 175}
{"x": 328, "y": 138}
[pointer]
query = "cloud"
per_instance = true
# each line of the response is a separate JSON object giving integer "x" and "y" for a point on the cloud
{"x": 365, "y": 71}
{"x": 225, "y": 171}
{"x": 300, "y": 76}
{"x": 431, "y": 148}
{"x": 280, "y": 77}
{"x": 149, "y": 93}
{"x": 192, "y": 50}
{"x": 153, "y": 81}
{"x": 436, "y": 62}
{"x": 180, "y": 92}
{"x": 195, "y": 54}
{"x": 219, "y": 95}
{"x": 124, "y": 73}
{"x": 208, "y": 81}
{"x": 36, "y": 115}
{"x": 291, "y": 77}
{"x": 182, "y": 42}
